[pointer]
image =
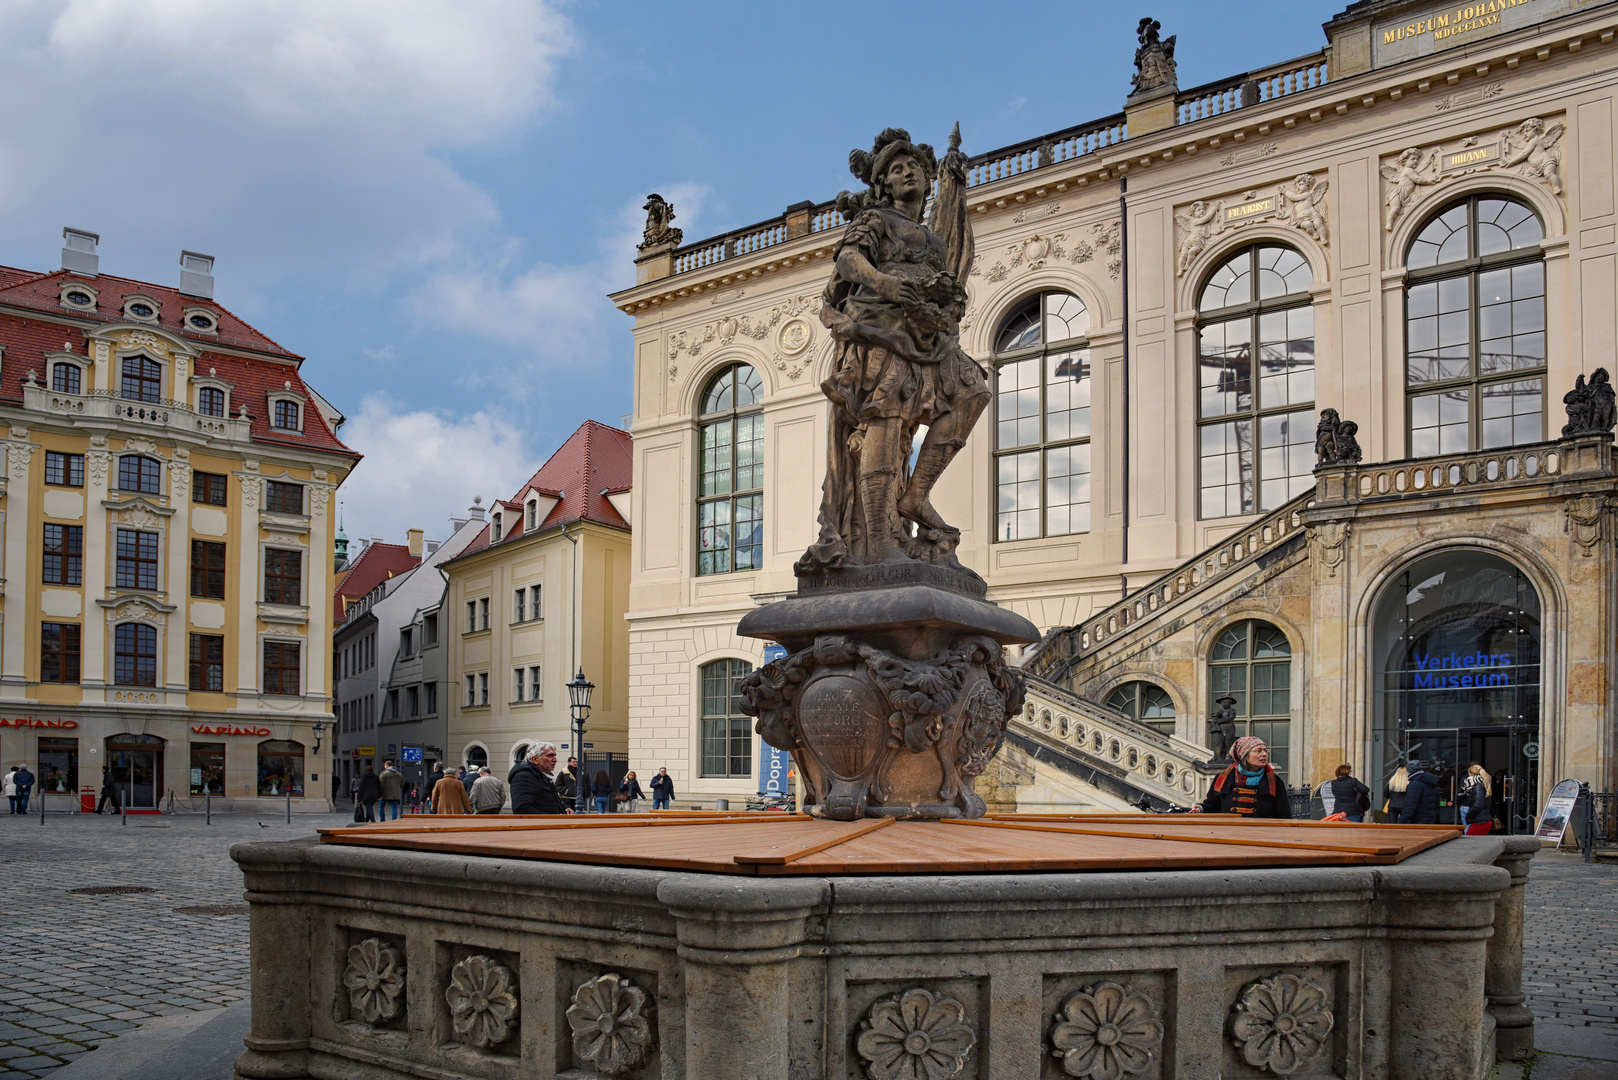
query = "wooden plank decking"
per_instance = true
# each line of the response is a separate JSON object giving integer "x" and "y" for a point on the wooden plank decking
{"x": 775, "y": 843}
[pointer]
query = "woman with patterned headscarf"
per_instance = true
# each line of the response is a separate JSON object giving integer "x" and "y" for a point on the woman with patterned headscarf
{"x": 1249, "y": 787}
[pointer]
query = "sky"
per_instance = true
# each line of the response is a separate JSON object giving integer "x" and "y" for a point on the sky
{"x": 431, "y": 199}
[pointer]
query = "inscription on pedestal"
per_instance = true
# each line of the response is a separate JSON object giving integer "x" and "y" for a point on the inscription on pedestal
{"x": 843, "y": 719}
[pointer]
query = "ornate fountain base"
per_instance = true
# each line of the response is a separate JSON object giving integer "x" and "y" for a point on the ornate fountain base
{"x": 894, "y": 696}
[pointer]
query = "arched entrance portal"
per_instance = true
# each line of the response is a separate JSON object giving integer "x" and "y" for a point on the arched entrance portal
{"x": 137, "y": 769}
{"x": 1455, "y": 658}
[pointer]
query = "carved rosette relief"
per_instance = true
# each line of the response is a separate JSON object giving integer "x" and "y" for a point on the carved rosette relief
{"x": 1106, "y": 1032}
{"x": 482, "y": 1001}
{"x": 1584, "y": 516}
{"x": 1280, "y": 1023}
{"x": 612, "y": 1026}
{"x": 1532, "y": 149}
{"x": 375, "y": 980}
{"x": 915, "y": 1036}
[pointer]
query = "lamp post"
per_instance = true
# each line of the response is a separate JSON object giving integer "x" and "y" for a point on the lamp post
{"x": 578, "y": 700}
{"x": 320, "y": 731}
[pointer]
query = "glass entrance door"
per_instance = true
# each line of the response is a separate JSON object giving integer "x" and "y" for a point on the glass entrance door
{"x": 137, "y": 769}
{"x": 1442, "y": 751}
{"x": 1511, "y": 759}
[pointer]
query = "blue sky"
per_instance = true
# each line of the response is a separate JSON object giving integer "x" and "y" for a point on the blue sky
{"x": 431, "y": 199}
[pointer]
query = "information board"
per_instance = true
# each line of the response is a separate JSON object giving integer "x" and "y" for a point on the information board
{"x": 412, "y": 755}
{"x": 773, "y": 764}
{"x": 1558, "y": 808}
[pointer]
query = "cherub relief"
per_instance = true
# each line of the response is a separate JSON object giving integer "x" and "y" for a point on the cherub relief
{"x": 1199, "y": 227}
{"x": 1403, "y": 180}
{"x": 1533, "y": 146}
{"x": 1305, "y": 203}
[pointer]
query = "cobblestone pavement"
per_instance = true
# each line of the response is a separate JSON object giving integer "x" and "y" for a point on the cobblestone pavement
{"x": 81, "y": 969}
{"x": 1570, "y": 943}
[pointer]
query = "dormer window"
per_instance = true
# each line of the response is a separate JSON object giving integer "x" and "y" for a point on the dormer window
{"x": 142, "y": 311}
{"x": 211, "y": 401}
{"x": 499, "y": 526}
{"x": 141, "y": 308}
{"x": 533, "y": 515}
{"x": 79, "y": 298}
{"x": 287, "y": 416}
{"x": 201, "y": 321}
{"x": 66, "y": 378}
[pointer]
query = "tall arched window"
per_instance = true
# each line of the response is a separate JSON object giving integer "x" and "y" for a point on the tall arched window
{"x": 1146, "y": 702}
{"x": 1252, "y": 662}
{"x": 727, "y": 741}
{"x": 1475, "y": 328}
{"x": 1042, "y": 419}
{"x": 143, "y": 474}
{"x": 730, "y": 491}
{"x": 1256, "y": 430}
{"x": 134, "y": 655}
{"x": 142, "y": 379}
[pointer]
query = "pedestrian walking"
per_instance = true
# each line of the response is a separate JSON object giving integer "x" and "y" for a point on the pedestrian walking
{"x": 488, "y": 793}
{"x": 354, "y": 790}
{"x": 1421, "y": 797}
{"x": 1474, "y": 796}
{"x": 11, "y": 788}
{"x": 25, "y": 784}
{"x": 629, "y": 792}
{"x": 601, "y": 791}
{"x": 392, "y": 783}
{"x": 370, "y": 792}
{"x": 449, "y": 796}
{"x": 109, "y": 791}
{"x": 1349, "y": 796}
{"x": 468, "y": 778}
{"x": 1394, "y": 804}
{"x": 567, "y": 782}
{"x": 432, "y": 782}
{"x": 662, "y": 789}
{"x": 532, "y": 789}
{"x": 1249, "y": 786}
{"x": 415, "y": 800}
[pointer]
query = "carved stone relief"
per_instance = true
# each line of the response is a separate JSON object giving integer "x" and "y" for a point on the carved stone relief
{"x": 1031, "y": 213}
{"x": 612, "y": 1024}
{"x": 1532, "y": 148}
{"x": 1106, "y": 1032}
{"x": 179, "y": 480}
{"x": 139, "y": 516}
{"x": 1301, "y": 202}
{"x": 726, "y": 329}
{"x": 1330, "y": 539}
{"x": 914, "y": 1035}
{"x": 250, "y": 489}
{"x": 1034, "y": 251}
{"x": 1280, "y": 1023}
{"x": 18, "y": 456}
{"x": 1584, "y": 516}
{"x": 143, "y": 339}
{"x": 1252, "y": 153}
{"x": 1467, "y": 97}
{"x": 482, "y": 1001}
{"x": 138, "y": 445}
{"x": 319, "y": 498}
{"x": 95, "y": 465}
{"x": 375, "y": 980}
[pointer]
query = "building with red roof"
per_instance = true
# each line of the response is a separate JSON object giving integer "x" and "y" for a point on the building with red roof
{"x": 168, "y": 541}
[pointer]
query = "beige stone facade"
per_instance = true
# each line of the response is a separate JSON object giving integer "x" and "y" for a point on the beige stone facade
{"x": 1343, "y": 162}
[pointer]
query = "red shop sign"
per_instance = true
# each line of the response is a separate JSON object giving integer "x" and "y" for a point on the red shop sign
{"x": 30, "y": 722}
{"x": 225, "y": 729}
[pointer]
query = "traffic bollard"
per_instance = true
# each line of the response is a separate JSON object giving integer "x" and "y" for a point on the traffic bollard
{"x": 289, "y": 804}
{"x": 207, "y": 805}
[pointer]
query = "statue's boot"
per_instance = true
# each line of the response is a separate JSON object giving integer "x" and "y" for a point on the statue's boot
{"x": 876, "y": 496}
{"x": 931, "y": 461}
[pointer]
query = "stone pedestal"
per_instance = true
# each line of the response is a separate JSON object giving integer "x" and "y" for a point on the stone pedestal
{"x": 894, "y": 696}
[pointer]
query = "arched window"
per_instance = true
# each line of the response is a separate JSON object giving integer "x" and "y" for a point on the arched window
{"x": 1256, "y": 431}
{"x": 730, "y": 499}
{"x": 498, "y": 528}
{"x": 143, "y": 474}
{"x": 211, "y": 401}
{"x": 134, "y": 655}
{"x": 66, "y": 378}
{"x": 142, "y": 379}
{"x": 1146, "y": 702}
{"x": 286, "y": 416}
{"x": 727, "y": 741}
{"x": 1475, "y": 328}
{"x": 1252, "y": 662}
{"x": 476, "y": 757}
{"x": 519, "y": 753}
{"x": 1042, "y": 420}
{"x": 280, "y": 767}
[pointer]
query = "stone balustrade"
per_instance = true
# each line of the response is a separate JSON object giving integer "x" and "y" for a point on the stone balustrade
{"x": 1251, "y": 88}
{"x": 102, "y": 406}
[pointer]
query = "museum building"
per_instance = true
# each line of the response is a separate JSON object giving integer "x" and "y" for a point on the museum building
{"x": 1416, "y": 227}
{"x": 167, "y": 544}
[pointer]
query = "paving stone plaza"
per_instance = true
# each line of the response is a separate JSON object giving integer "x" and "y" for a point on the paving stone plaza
{"x": 81, "y": 969}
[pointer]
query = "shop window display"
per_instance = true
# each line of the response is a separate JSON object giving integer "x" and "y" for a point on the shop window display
{"x": 207, "y": 768}
{"x": 280, "y": 767}
{"x": 58, "y": 766}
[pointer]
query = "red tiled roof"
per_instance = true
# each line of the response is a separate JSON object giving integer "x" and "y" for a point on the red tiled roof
{"x": 376, "y": 564}
{"x": 594, "y": 459}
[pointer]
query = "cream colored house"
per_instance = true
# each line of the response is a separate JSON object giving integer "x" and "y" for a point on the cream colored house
{"x": 539, "y": 595}
{"x": 1416, "y": 227}
{"x": 167, "y": 544}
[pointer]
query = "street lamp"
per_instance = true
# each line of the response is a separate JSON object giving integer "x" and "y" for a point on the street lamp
{"x": 578, "y": 700}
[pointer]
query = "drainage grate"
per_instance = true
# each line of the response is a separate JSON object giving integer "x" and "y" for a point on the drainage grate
{"x": 213, "y": 909}
{"x": 108, "y": 890}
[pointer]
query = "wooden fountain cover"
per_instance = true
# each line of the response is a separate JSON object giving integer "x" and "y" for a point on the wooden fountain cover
{"x": 771, "y": 843}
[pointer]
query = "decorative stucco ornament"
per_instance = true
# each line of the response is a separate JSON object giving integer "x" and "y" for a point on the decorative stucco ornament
{"x": 1280, "y": 1023}
{"x": 915, "y": 1036}
{"x": 482, "y": 1001}
{"x": 611, "y": 1026}
{"x": 1106, "y": 1032}
{"x": 375, "y": 979}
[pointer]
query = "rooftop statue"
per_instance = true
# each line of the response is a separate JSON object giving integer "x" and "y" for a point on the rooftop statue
{"x": 1590, "y": 406}
{"x": 659, "y": 214}
{"x": 1154, "y": 60}
{"x": 893, "y": 307}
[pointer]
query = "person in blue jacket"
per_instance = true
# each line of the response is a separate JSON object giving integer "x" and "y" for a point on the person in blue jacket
{"x": 1421, "y": 797}
{"x": 25, "y": 784}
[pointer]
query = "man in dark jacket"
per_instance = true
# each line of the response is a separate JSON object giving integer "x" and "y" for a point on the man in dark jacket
{"x": 25, "y": 784}
{"x": 109, "y": 791}
{"x": 370, "y": 792}
{"x": 662, "y": 789}
{"x": 567, "y": 782}
{"x": 1421, "y": 797}
{"x": 532, "y": 790}
{"x": 1349, "y": 796}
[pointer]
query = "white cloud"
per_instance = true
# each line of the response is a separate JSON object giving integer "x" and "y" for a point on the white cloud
{"x": 421, "y": 468}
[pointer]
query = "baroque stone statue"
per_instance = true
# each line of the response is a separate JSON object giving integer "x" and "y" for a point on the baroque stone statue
{"x": 1590, "y": 406}
{"x": 1154, "y": 60}
{"x": 893, "y": 307}
{"x": 894, "y": 694}
{"x": 1335, "y": 442}
{"x": 1222, "y": 730}
{"x": 659, "y": 215}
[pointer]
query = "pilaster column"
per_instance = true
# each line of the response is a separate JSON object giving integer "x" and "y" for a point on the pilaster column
{"x": 247, "y": 589}
{"x": 176, "y": 675}
{"x": 317, "y": 593}
{"x": 14, "y": 641}
{"x": 93, "y": 639}
{"x": 738, "y": 941}
{"x": 1514, "y": 1020}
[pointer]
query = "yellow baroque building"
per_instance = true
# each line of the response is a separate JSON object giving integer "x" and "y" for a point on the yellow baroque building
{"x": 167, "y": 545}
{"x": 1416, "y": 227}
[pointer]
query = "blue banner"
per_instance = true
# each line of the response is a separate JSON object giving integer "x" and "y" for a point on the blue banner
{"x": 773, "y": 764}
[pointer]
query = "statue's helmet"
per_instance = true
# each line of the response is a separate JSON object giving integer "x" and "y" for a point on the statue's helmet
{"x": 871, "y": 167}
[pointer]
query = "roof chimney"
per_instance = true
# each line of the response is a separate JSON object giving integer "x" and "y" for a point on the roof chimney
{"x": 196, "y": 274}
{"x": 79, "y": 252}
{"x": 413, "y": 537}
